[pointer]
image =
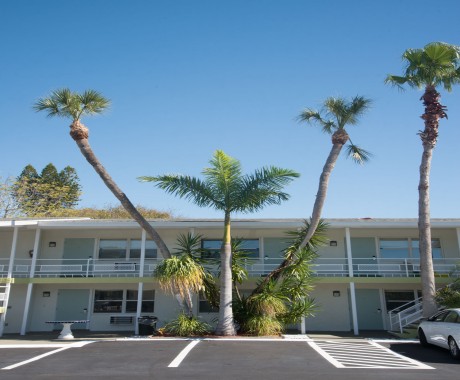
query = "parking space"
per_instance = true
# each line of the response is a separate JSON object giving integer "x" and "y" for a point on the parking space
{"x": 225, "y": 359}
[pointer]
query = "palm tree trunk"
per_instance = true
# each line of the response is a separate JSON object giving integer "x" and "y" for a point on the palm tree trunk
{"x": 317, "y": 208}
{"x": 424, "y": 226}
{"x": 434, "y": 111}
{"x": 339, "y": 138}
{"x": 226, "y": 325}
{"x": 87, "y": 152}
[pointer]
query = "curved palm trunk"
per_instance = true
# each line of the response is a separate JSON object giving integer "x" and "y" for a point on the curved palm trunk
{"x": 86, "y": 150}
{"x": 226, "y": 325}
{"x": 433, "y": 112}
{"x": 339, "y": 139}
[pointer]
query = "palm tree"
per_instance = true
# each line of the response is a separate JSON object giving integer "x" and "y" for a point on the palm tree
{"x": 226, "y": 189}
{"x": 68, "y": 104}
{"x": 337, "y": 113}
{"x": 436, "y": 64}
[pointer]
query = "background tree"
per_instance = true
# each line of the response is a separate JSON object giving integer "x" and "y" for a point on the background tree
{"x": 225, "y": 188}
{"x": 111, "y": 212}
{"x": 8, "y": 205}
{"x": 435, "y": 65}
{"x": 72, "y": 105}
{"x": 47, "y": 193}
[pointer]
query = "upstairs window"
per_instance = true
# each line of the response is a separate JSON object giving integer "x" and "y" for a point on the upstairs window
{"x": 406, "y": 248}
{"x": 126, "y": 249}
{"x": 212, "y": 248}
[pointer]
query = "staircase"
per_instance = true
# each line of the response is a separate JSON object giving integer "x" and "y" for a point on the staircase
{"x": 4, "y": 295}
{"x": 405, "y": 315}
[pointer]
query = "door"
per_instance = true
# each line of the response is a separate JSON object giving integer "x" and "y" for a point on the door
{"x": 72, "y": 305}
{"x": 369, "y": 309}
{"x": 78, "y": 255}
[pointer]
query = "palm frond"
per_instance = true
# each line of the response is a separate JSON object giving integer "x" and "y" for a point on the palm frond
{"x": 357, "y": 154}
{"x": 314, "y": 117}
{"x": 262, "y": 188}
{"x": 186, "y": 187}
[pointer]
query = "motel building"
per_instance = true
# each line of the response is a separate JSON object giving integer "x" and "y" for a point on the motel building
{"x": 368, "y": 274}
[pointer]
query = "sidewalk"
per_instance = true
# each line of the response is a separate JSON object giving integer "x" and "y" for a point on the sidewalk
{"x": 84, "y": 335}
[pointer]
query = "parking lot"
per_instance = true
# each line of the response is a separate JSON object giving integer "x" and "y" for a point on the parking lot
{"x": 226, "y": 359}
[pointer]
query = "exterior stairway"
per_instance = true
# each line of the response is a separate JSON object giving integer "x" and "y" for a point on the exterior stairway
{"x": 406, "y": 315}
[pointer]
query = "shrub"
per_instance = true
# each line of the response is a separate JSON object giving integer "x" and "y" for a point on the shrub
{"x": 184, "y": 325}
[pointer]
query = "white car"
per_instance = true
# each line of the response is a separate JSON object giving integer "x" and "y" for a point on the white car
{"x": 443, "y": 330}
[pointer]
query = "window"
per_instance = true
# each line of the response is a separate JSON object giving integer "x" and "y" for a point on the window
{"x": 394, "y": 249}
{"x": 435, "y": 248}
{"x": 126, "y": 249}
{"x": 122, "y": 301}
{"x": 108, "y": 301}
{"x": 150, "y": 249}
{"x": 204, "y": 306}
{"x": 395, "y": 299}
{"x": 112, "y": 249}
{"x": 452, "y": 317}
{"x": 406, "y": 248}
{"x": 148, "y": 297}
{"x": 212, "y": 248}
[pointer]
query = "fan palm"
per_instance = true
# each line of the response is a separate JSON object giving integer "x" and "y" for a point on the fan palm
{"x": 226, "y": 189}
{"x": 436, "y": 64}
{"x": 72, "y": 105}
{"x": 336, "y": 114}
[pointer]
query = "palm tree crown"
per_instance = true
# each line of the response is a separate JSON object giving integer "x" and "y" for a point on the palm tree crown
{"x": 65, "y": 103}
{"x": 334, "y": 116}
{"x": 436, "y": 64}
{"x": 226, "y": 189}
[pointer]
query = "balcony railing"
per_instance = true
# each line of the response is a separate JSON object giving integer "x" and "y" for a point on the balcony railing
{"x": 322, "y": 267}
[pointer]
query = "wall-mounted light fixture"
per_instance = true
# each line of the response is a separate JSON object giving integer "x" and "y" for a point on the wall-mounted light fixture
{"x": 31, "y": 253}
{"x": 333, "y": 243}
{"x": 336, "y": 293}
{"x": 52, "y": 244}
{"x": 46, "y": 294}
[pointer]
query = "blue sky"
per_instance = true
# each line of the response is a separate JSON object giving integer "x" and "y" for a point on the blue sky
{"x": 188, "y": 77}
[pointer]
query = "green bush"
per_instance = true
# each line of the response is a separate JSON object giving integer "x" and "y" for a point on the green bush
{"x": 184, "y": 325}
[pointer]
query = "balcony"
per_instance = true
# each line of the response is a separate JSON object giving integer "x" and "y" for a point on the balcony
{"x": 322, "y": 267}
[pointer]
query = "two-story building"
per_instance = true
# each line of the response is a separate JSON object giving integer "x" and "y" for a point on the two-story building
{"x": 101, "y": 270}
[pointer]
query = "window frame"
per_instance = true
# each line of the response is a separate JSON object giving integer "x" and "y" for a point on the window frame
{"x": 412, "y": 251}
{"x": 150, "y": 245}
{"x": 125, "y": 300}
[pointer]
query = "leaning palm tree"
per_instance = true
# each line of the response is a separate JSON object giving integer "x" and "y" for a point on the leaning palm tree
{"x": 337, "y": 113}
{"x": 437, "y": 64}
{"x": 68, "y": 104}
{"x": 226, "y": 189}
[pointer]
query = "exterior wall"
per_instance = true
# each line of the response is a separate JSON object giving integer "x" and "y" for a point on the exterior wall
{"x": 334, "y": 313}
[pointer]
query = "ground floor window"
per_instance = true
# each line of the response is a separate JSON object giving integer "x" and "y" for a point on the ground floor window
{"x": 122, "y": 301}
{"x": 204, "y": 306}
{"x": 397, "y": 298}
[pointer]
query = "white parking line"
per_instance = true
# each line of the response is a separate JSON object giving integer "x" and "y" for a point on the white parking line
{"x": 363, "y": 355}
{"x": 38, "y": 357}
{"x": 176, "y": 362}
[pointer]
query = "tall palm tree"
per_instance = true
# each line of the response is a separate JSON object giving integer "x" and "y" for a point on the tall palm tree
{"x": 437, "y": 64}
{"x": 225, "y": 188}
{"x": 72, "y": 105}
{"x": 336, "y": 114}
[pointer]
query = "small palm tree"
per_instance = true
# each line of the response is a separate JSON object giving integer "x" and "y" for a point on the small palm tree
{"x": 435, "y": 65}
{"x": 226, "y": 189}
{"x": 337, "y": 113}
{"x": 68, "y": 104}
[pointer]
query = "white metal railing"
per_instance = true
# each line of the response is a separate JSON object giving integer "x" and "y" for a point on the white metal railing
{"x": 405, "y": 314}
{"x": 322, "y": 267}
